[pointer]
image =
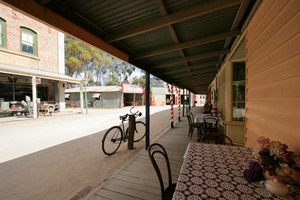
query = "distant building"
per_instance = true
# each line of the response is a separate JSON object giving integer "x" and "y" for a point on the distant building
{"x": 161, "y": 96}
{"x": 107, "y": 96}
{"x": 158, "y": 92}
{"x": 31, "y": 61}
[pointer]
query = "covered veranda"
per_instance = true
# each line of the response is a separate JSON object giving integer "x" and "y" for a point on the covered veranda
{"x": 130, "y": 181}
{"x": 190, "y": 43}
{"x": 183, "y": 43}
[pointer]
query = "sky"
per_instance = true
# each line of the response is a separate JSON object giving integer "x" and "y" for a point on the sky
{"x": 138, "y": 72}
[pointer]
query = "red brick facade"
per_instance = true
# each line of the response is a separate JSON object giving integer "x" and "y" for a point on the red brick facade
{"x": 47, "y": 42}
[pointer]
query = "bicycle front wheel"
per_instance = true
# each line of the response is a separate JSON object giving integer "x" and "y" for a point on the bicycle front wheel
{"x": 112, "y": 140}
{"x": 139, "y": 132}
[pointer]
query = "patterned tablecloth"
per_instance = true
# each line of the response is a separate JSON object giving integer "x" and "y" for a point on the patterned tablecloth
{"x": 211, "y": 171}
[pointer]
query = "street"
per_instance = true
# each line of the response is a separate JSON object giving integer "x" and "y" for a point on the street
{"x": 55, "y": 157}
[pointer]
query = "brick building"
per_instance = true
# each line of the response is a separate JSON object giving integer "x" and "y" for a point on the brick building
{"x": 30, "y": 51}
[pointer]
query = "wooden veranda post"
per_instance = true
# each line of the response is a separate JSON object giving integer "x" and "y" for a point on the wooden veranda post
{"x": 170, "y": 90}
{"x": 183, "y": 106}
{"x": 147, "y": 110}
{"x": 33, "y": 84}
{"x": 179, "y": 102}
{"x": 172, "y": 108}
{"x": 131, "y": 127}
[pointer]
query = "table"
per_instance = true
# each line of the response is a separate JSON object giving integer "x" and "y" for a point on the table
{"x": 211, "y": 171}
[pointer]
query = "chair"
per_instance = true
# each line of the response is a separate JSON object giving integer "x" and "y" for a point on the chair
{"x": 210, "y": 124}
{"x": 217, "y": 137}
{"x": 193, "y": 125}
{"x": 156, "y": 148}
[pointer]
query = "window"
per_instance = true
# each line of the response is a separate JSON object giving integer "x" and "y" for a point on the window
{"x": 2, "y": 33}
{"x": 28, "y": 41}
{"x": 238, "y": 87}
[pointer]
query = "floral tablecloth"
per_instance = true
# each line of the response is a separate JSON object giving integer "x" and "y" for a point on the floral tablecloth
{"x": 213, "y": 171}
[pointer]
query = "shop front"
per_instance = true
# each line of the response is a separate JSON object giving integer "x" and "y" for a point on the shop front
{"x": 133, "y": 95}
{"x": 26, "y": 92}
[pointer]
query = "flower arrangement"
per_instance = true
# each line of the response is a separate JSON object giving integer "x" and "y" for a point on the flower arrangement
{"x": 274, "y": 157}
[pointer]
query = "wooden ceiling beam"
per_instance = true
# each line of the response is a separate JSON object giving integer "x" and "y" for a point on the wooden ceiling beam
{"x": 195, "y": 78}
{"x": 191, "y": 74}
{"x": 203, "y": 8}
{"x": 188, "y": 44}
{"x": 238, "y": 18}
{"x": 190, "y": 58}
{"x": 191, "y": 67}
{"x": 164, "y": 12}
{"x": 206, "y": 70}
{"x": 196, "y": 84}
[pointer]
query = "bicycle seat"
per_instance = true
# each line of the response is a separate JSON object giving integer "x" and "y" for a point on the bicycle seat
{"x": 123, "y": 117}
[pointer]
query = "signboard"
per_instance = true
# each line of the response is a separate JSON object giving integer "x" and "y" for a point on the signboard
{"x": 133, "y": 89}
{"x": 38, "y": 80}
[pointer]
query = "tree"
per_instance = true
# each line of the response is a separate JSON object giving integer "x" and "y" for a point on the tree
{"x": 141, "y": 81}
{"x": 113, "y": 80}
{"x": 126, "y": 70}
{"x": 84, "y": 61}
{"x": 121, "y": 71}
{"x": 100, "y": 65}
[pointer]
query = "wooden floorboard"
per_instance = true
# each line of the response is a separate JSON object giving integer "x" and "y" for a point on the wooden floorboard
{"x": 146, "y": 182}
{"x": 137, "y": 186}
{"x": 138, "y": 180}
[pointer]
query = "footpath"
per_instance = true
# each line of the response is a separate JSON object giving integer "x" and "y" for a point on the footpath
{"x": 136, "y": 178}
{"x": 52, "y": 158}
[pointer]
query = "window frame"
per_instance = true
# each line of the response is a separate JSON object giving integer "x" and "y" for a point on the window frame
{"x": 34, "y": 34}
{"x": 234, "y": 101}
{"x": 3, "y": 33}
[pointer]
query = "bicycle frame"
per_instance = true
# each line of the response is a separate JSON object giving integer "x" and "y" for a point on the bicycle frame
{"x": 115, "y": 135}
{"x": 124, "y": 136}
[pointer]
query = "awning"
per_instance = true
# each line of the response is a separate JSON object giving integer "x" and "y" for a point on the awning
{"x": 96, "y": 95}
{"x": 38, "y": 73}
{"x": 132, "y": 89}
{"x": 96, "y": 89}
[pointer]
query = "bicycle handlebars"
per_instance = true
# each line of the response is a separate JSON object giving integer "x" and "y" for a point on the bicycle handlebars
{"x": 137, "y": 113}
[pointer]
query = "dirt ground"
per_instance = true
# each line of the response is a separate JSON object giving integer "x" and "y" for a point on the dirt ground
{"x": 53, "y": 158}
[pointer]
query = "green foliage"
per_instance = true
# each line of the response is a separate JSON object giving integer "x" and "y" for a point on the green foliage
{"x": 139, "y": 81}
{"x": 118, "y": 72}
{"x": 113, "y": 80}
{"x": 86, "y": 62}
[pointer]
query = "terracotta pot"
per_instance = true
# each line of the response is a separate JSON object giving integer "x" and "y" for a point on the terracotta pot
{"x": 267, "y": 176}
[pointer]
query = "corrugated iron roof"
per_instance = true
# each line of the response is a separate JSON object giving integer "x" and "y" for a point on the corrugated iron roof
{"x": 95, "y": 89}
{"x": 39, "y": 73}
{"x": 159, "y": 36}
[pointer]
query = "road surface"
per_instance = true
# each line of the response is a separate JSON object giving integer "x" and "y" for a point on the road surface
{"x": 55, "y": 157}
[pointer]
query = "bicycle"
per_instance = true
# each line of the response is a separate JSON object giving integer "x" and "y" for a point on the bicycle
{"x": 114, "y": 136}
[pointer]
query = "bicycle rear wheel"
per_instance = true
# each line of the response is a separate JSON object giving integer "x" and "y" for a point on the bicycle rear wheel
{"x": 139, "y": 132}
{"x": 112, "y": 140}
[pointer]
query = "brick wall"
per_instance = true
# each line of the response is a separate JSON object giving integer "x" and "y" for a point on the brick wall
{"x": 47, "y": 40}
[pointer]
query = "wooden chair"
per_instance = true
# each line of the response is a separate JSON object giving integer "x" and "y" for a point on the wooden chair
{"x": 210, "y": 124}
{"x": 154, "y": 149}
{"x": 193, "y": 125}
{"x": 217, "y": 138}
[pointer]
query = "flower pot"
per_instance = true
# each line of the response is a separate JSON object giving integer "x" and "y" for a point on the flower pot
{"x": 267, "y": 176}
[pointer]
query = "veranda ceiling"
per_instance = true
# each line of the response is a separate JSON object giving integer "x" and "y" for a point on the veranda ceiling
{"x": 183, "y": 42}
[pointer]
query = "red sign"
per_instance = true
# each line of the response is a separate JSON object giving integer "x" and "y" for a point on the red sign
{"x": 38, "y": 81}
{"x": 134, "y": 89}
